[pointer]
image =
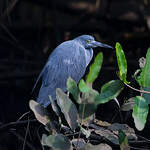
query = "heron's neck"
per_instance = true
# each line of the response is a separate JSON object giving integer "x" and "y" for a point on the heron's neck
{"x": 88, "y": 55}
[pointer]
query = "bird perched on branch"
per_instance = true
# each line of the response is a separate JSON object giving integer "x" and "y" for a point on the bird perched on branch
{"x": 69, "y": 59}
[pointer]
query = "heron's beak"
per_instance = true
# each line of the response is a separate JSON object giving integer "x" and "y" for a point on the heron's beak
{"x": 98, "y": 44}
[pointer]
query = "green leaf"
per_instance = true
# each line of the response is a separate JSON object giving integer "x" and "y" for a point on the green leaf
{"x": 88, "y": 105}
{"x": 123, "y": 140}
{"x": 95, "y": 68}
{"x": 86, "y": 111}
{"x": 122, "y": 64}
{"x": 146, "y": 96}
{"x": 68, "y": 108}
{"x": 84, "y": 87}
{"x": 72, "y": 88}
{"x": 54, "y": 106}
{"x": 57, "y": 142}
{"x": 144, "y": 78}
{"x": 109, "y": 91}
{"x": 40, "y": 112}
{"x": 140, "y": 112}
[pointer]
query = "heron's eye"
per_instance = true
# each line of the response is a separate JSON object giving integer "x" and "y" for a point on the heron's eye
{"x": 88, "y": 41}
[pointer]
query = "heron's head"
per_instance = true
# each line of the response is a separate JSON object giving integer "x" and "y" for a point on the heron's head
{"x": 88, "y": 42}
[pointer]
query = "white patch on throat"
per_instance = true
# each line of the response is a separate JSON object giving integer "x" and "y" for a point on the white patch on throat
{"x": 88, "y": 56}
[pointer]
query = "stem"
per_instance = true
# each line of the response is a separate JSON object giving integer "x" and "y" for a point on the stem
{"x": 81, "y": 123}
{"x": 141, "y": 91}
{"x": 81, "y": 126}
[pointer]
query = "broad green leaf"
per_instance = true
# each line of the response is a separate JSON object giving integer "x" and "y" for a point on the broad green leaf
{"x": 91, "y": 96}
{"x": 122, "y": 64}
{"x": 140, "y": 112}
{"x": 144, "y": 78}
{"x": 54, "y": 106}
{"x": 109, "y": 91}
{"x": 88, "y": 105}
{"x": 40, "y": 112}
{"x": 95, "y": 68}
{"x": 68, "y": 108}
{"x": 86, "y": 111}
{"x": 123, "y": 141}
{"x": 57, "y": 142}
{"x": 146, "y": 96}
{"x": 72, "y": 88}
{"x": 84, "y": 87}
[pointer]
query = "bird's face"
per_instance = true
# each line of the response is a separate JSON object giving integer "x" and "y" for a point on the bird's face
{"x": 89, "y": 42}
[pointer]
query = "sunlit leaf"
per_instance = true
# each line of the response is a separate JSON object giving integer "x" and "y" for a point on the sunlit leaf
{"x": 123, "y": 141}
{"x": 40, "y": 112}
{"x": 109, "y": 91}
{"x": 72, "y": 88}
{"x": 122, "y": 64}
{"x": 57, "y": 142}
{"x": 140, "y": 112}
{"x": 144, "y": 78}
{"x": 95, "y": 68}
{"x": 68, "y": 108}
{"x": 84, "y": 87}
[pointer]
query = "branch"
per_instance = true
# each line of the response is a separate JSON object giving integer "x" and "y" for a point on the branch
{"x": 141, "y": 91}
{"x": 17, "y": 123}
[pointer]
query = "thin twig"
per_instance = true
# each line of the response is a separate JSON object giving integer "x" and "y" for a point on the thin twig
{"x": 81, "y": 126}
{"x": 23, "y": 115}
{"x": 12, "y": 124}
{"x": 138, "y": 148}
{"x": 38, "y": 135}
{"x": 147, "y": 140}
{"x": 141, "y": 91}
{"x": 25, "y": 138}
{"x": 22, "y": 139}
{"x": 8, "y": 32}
{"x": 9, "y": 8}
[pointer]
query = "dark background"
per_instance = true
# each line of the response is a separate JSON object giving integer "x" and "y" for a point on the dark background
{"x": 31, "y": 29}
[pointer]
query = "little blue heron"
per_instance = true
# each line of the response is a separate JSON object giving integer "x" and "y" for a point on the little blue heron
{"x": 69, "y": 59}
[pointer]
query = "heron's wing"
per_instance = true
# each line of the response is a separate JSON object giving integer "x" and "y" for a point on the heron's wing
{"x": 67, "y": 60}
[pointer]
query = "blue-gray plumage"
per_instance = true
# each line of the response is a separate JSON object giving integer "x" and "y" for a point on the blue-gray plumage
{"x": 69, "y": 59}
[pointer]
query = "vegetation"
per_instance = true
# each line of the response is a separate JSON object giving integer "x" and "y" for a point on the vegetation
{"x": 79, "y": 111}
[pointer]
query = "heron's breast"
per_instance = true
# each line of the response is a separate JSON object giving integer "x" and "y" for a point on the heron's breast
{"x": 88, "y": 56}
